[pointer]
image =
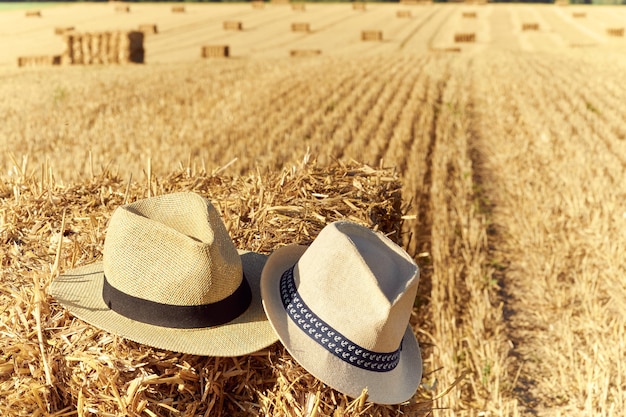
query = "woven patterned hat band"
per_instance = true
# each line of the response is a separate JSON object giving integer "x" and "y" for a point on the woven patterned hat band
{"x": 329, "y": 338}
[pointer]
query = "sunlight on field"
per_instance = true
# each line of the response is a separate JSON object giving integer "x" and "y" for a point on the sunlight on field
{"x": 494, "y": 137}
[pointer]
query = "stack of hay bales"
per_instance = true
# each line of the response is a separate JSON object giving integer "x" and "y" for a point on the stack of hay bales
{"x": 119, "y": 47}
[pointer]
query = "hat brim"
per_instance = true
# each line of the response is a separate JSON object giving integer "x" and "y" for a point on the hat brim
{"x": 392, "y": 387}
{"x": 80, "y": 291}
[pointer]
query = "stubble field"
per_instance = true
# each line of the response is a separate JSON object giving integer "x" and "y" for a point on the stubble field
{"x": 511, "y": 152}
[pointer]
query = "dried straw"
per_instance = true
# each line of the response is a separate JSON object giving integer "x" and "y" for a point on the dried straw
{"x": 54, "y": 364}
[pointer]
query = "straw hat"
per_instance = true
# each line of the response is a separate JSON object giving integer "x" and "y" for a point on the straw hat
{"x": 172, "y": 278}
{"x": 341, "y": 307}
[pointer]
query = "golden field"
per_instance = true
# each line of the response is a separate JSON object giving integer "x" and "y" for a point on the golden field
{"x": 508, "y": 154}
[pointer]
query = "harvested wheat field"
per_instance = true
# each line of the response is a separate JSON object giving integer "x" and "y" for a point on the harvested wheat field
{"x": 496, "y": 159}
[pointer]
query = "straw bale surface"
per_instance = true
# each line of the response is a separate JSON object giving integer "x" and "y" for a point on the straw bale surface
{"x": 619, "y": 32}
{"x": 52, "y": 363}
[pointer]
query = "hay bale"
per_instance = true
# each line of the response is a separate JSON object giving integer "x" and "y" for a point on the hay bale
{"x": 299, "y": 7}
{"x": 300, "y": 27}
{"x": 530, "y": 26}
{"x": 618, "y": 32}
{"x": 258, "y": 5}
{"x": 54, "y": 362}
{"x": 62, "y": 30}
{"x": 372, "y": 35}
{"x": 561, "y": 2}
{"x": 579, "y": 15}
{"x": 38, "y": 60}
{"x": 113, "y": 55}
{"x": 33, "y": 13}
{"x": 233, "y": 25}
{"x": 178, "y": 9}
{"x": 403, "y": 13}
{"x": 215, "y": 51}
{"x": 454, "y": 49}
{"x": 279, "y": 1}
{"x": 464, "y": 37}
{"x": 131, "y": 47}
{"x": 96, "y": 48}
{"x": 469, "y": 15}
{"x": 122, "y": 9}
{"x": 148, "y": 29}
{"x": 359, "y": 6}
{"x": 304, "y": 52}
{"x": 86, "y": 48}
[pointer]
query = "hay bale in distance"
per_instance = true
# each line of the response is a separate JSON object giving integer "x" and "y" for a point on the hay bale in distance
{"x": 233, "y": 25}
{"x": 618, "y": 32}
{"x": 416, "y": 2}
{"x": 38, "y": 60}
{"x": 304, "y": 52}
{"x": 299, "y": 7}
{"x": 403, "y": 13}
{"x": 178, "y": 9}
{"x": 464, "y": 37}
{"x": 279, "y": 1}
{"x": 60, "y": 30}
{"x": 215, "y": 51}
{"x": 561, "y": 2}
{"x": 33, "y": 13}
{"x": 359, "y": 6}
{"x": 469, "y": 15}
{"x": 300, "y": 27}
{"x": 579, "y": 15}
{"x": 148, "y": 29}
{"x": 454, "y": 49}
{"x": 372, "y": 35}
{"x": 122, "y": 9}
{"x": 530, "y": 26}
{"x": 258, "y": 5}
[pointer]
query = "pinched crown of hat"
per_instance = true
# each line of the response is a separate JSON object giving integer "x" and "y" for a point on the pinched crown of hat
{"x": 172, "y": 278}
{"x": 342, "y": 307}
{"x": 170, "y": 264}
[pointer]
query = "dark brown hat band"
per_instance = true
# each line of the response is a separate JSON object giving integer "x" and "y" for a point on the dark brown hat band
{"x": 178, "y": 316}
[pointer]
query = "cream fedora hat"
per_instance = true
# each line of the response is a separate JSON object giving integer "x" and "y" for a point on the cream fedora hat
{"x": 171, "y": 278}
{"x": 341, "y": 307}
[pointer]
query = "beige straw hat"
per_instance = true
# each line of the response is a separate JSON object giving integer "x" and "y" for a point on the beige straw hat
{"x": 341, "y": 307}
{"x": 172, "y": 278}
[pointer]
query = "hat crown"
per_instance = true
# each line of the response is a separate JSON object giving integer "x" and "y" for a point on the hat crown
{"x": 172, "y": 249}
{"x": 360, "y": 283}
